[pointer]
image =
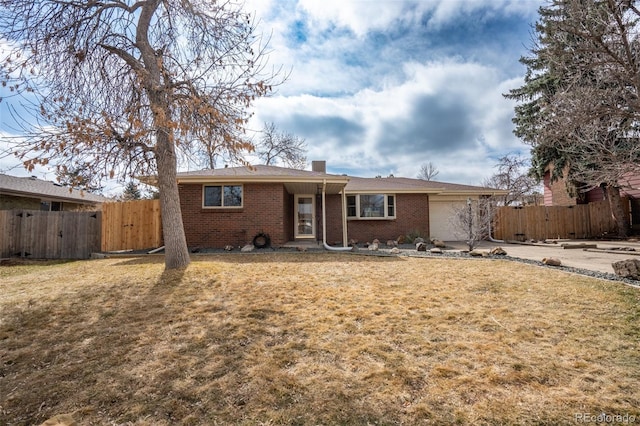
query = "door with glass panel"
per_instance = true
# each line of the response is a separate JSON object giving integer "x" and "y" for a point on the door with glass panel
{"x": 305, "y": 220}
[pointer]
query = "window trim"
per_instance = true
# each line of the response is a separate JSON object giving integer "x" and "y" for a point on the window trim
{"x": 386, "y": 206}
{"x": 222, "y": 186}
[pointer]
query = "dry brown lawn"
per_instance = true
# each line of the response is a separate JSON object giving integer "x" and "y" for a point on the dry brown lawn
{"x": 306, "y": 338}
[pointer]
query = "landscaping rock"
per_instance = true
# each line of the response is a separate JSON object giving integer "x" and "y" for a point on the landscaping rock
{"x": 300, "y": 248}
{"x": 247, "y": 248}
{"x": 478, "y": 253}
{"x": 353, "y": 243}
{"x": 228, "y": 247}
{"x": 392, "y": 243}
{"x": 498, "y": 251}
{"x": 418, "y": 240}
{"x": 551, "y": 261}
{"x": 435, "y": 250}
{"x": 628, "y": 268}
{"x": 402, "y": 239}
{"x": 438, "y": 243}
{"x": 394, "y": 250}
{"x": 421, "y": 246}
{"x": 373, "y": 246}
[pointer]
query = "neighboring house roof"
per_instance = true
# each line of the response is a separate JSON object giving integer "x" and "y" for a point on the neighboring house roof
{"x": 303, "y": 181}
{"x": 32, "y": 187}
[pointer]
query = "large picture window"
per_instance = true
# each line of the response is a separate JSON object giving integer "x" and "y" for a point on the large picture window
{"x": 222, "y": 196}
{"x": 371, "y": 206}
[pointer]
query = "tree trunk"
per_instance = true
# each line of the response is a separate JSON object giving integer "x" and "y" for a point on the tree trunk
{"x": 175, "y": 242}
{"x": 615, "y": 203}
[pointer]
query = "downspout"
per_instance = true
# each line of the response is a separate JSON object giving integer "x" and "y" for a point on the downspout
{"x": 345, "y": 233}
{"x": 324, "y": 222}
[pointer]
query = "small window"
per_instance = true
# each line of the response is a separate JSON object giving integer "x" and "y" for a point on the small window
{"x": 56, "y": 206}
{"x": 351, "y": 206}
{"x": 222, "y": 196}
{"x": 371, "y": 206}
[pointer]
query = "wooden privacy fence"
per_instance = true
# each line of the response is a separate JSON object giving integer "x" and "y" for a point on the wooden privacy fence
{"x": 549, "y": 222}
{"x": 49, "y": 235}
{"x": 132, "y": 225}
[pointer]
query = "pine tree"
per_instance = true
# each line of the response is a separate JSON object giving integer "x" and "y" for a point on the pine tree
{"x": 131, "y": 192}
{"x": 579, "y": 104}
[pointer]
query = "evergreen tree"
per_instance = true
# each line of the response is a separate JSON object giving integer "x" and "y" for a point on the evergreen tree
{"x": 579, "y": 104}
{"x": 131, "y": 192}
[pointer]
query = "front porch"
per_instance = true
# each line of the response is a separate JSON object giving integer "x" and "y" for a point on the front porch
{"x": 304, "y": 244}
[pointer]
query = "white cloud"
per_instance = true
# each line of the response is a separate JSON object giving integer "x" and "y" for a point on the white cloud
{"x": 450, "y": 113}
{"x": 363, "y": 16}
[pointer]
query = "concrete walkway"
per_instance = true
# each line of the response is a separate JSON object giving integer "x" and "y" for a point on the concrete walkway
{"x": 599, "y": 259}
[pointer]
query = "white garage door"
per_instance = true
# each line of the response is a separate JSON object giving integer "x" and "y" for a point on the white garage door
{"x": 440, "y": 219}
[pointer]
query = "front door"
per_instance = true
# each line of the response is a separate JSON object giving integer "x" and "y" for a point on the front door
{"x": 305, "y": 218}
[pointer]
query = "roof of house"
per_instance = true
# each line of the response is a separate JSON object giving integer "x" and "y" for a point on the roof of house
{"x": 37, "y": 188}
{"x": 295, "y": 180}
{"x": 408, "y": 185}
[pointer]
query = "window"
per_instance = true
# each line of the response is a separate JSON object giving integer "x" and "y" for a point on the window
{"x": 50, "y": 206}
{"x": 352, "y": 208}
{"x": 222, "y": 196}
{"x": 371, "y": 206}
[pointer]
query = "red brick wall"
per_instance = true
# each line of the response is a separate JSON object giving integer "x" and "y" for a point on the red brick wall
{"x": 266, "y": 208}
{"x": 555, "y": 194}
{"x": 412, "y": 212}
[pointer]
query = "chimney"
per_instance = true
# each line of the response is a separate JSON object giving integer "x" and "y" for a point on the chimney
{"x": 319, "y": 166}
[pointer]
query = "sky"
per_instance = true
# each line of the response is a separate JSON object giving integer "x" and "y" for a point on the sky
{"x": 381, "y": 87}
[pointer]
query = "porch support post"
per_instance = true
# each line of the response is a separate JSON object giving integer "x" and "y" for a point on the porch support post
{"x": 324, "y": 213}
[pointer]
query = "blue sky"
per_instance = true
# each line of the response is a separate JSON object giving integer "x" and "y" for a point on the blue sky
{"x": 380, "y": 87}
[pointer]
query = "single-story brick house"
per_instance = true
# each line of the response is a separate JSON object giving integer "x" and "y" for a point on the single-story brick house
{"x": 231, "y": 206}
{"x": 31, "y": 193}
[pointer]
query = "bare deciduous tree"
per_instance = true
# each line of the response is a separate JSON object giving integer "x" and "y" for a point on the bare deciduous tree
{"x": 280, "y": 147}
{"x": 123, "y": 88}
{"x": 472, "y": 222}
{"x": 513, "y": 176}
{"x": 428, "y": 171}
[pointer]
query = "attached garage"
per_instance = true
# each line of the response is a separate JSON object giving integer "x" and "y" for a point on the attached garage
{"x": 441, "y": 211}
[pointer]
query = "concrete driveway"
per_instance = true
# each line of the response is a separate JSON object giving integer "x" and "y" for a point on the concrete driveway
{"x": 599, "y": 259}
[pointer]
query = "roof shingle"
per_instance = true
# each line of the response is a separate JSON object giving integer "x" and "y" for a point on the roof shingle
{"x": 30, "y": 186}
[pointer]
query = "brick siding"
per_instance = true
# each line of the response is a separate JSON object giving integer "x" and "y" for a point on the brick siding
{"x": 265, "y": 209}
{"x": 412, "y": 212}
{"x": 269, "y": 208}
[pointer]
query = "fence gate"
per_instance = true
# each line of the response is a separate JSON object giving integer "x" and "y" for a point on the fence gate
{"x": 132, "y": 225}
{"x": 36, "y": 234}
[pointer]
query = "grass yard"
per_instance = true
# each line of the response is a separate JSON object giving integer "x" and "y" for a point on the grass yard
{"x": 331, "y": 338}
